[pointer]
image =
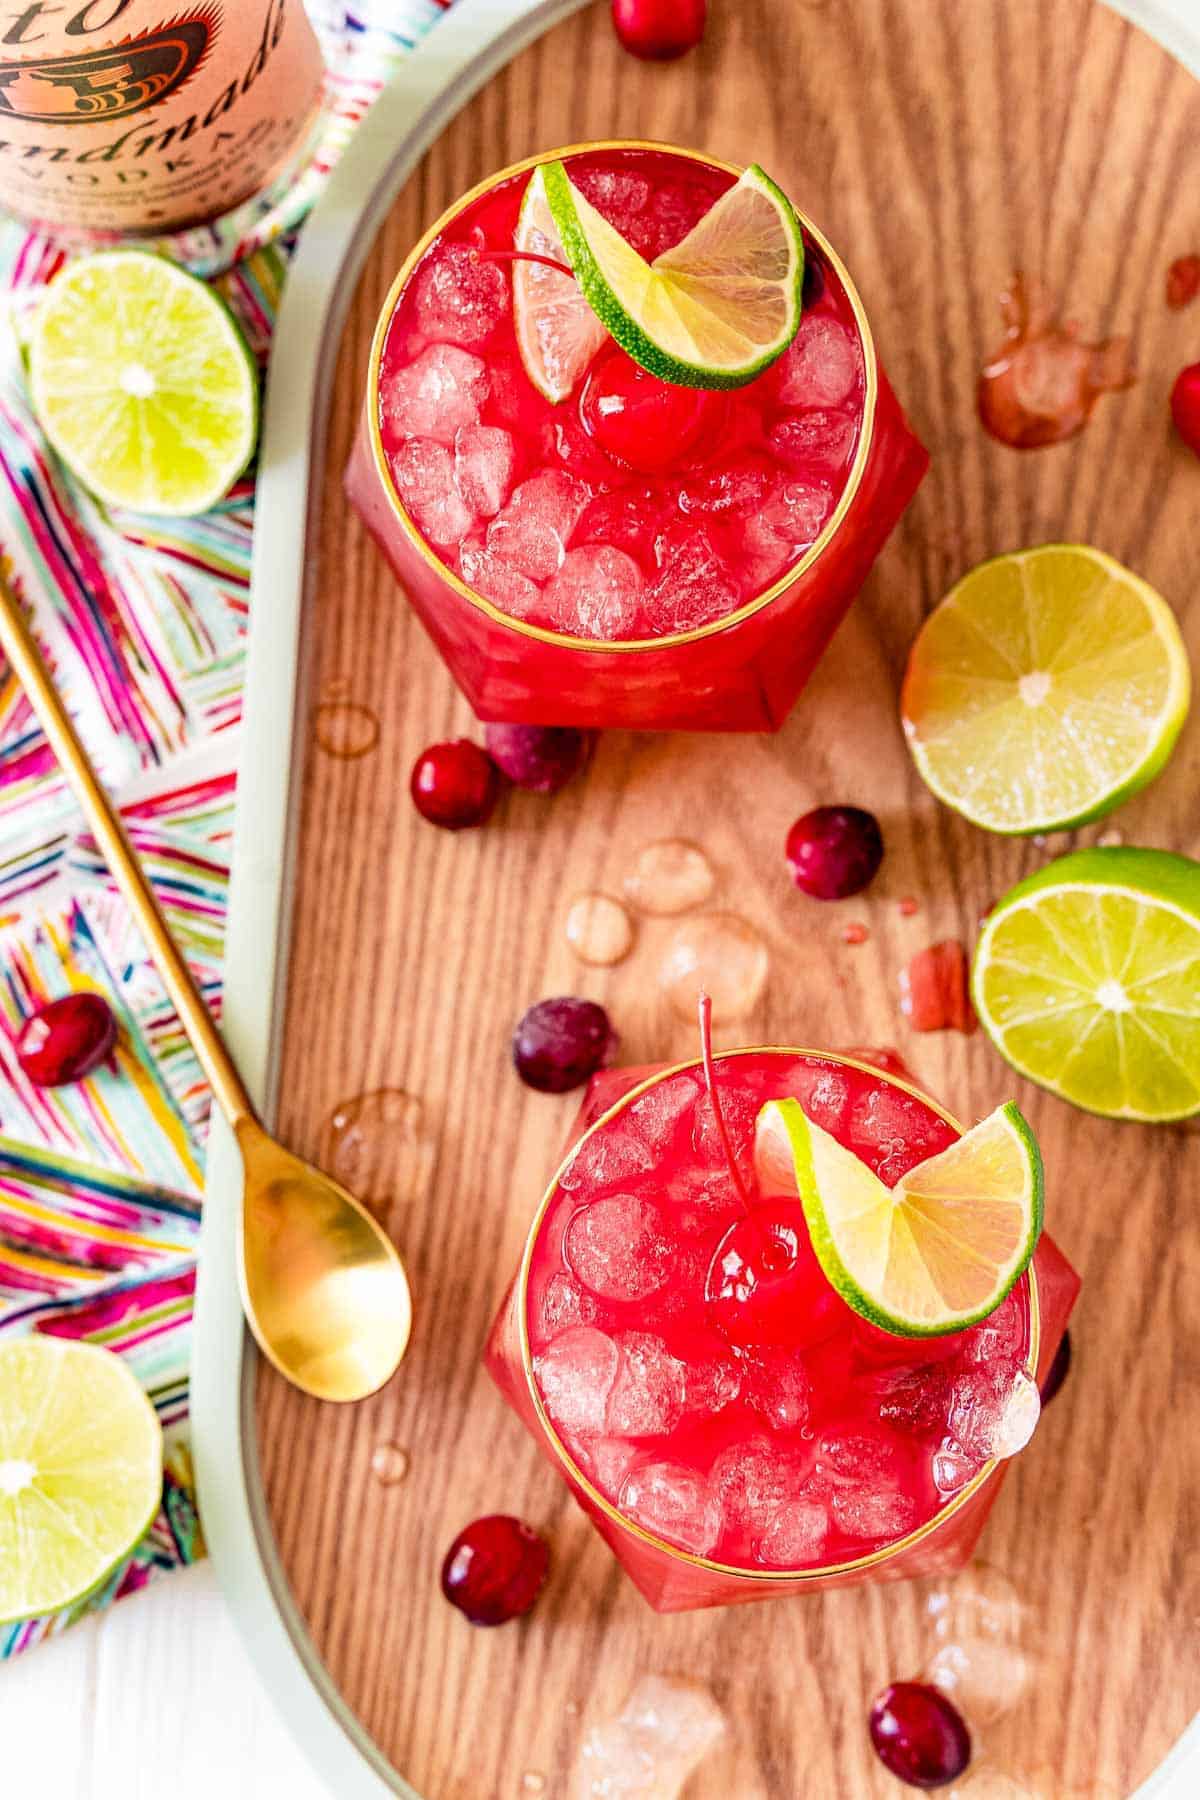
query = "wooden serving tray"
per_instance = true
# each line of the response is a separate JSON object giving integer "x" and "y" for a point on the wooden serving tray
{"x": 942, "y": 147}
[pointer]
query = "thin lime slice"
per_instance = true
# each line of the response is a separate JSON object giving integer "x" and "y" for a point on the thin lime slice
{"x": 937, "y": 1252}
{"x": 1048, "y": 686}
{"x": 1087, "y": 978}
{"x": 142, "y": 381}
{"x": 558, "y": 334}
{"x": 80, "y": 1471}
{"x": 712, "y": 312}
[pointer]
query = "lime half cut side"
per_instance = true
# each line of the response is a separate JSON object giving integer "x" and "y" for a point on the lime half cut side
{"x": 143, "y": 383}
{"x": 558, "y": 334}
{"x": 714, "y": 311}
{"x": 937, "y": 1252}
{"x": 1087, "y": 978}
{"x": 80, "y": 1471}
{"x": 1046, "y": 688}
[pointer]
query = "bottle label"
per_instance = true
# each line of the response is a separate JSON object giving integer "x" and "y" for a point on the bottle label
{"x": 115, "y": 118}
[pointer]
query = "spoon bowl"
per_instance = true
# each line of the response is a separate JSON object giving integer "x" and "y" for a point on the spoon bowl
{"x": 324, "y": 1293}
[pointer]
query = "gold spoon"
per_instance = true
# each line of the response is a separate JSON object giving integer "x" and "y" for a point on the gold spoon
{"x": 323, "y": 1287}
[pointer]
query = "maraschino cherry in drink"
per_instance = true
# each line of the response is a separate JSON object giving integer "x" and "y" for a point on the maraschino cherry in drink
{"x": 635, "y": 553}
{"x": 730, "y": 1425}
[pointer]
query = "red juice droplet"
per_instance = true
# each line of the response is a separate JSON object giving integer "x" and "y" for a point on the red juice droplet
{"x": 908, "y": 906}
{"x": 855, "y": 933}
{"x": 1042, "y": 383}
{"x": 1183, "y": 282}
{"x": 934, "y": 990}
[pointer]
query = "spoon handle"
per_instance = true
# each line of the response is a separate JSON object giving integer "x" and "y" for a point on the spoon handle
{"x": 26, "y": 662}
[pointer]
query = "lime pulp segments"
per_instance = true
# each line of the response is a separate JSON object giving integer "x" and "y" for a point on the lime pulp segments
{"x": 143, "y": 382}
{"x": 714, "y": 311}
{"x": 937, "y": 1252}
{"x": 80, "y": 1471}
{"x": 1086, "y": 978}
{"x": 1046, "y": 688}
{"x": 558, "y": 334}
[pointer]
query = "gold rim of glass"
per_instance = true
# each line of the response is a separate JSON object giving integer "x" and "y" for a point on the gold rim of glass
{"x": 886, "y": 1552}
{"x": 559, "y": 638}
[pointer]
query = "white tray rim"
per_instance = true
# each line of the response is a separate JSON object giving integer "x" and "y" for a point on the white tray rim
{"x": 460, "y": 53}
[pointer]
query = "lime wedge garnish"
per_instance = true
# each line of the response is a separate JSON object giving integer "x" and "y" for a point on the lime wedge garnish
{"x": 558, "y": 334}
{"x": 1048, "y": 686}
{"x": 80, "y": 1471}
{"x": 1087, "y": 978}
{"x": 937, "y": 1252}
{"x": 712, "y": 312}
{"x": 142, "y": 381}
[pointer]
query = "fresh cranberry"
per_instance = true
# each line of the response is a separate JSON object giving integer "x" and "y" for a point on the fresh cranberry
{"x": 647, "y": 423}
{"x": 1185, "y": 406}
{"x": 455, "y": 784}
{"x": 559, "y": 1043}
{"x": 66, "y": 1039}
{"x": 765, "y": 1285}
{"x": 1183, "y": 281}
{"x": 542, "y": 758}
{"x": 659, "y": 30}
{"x": 919, "y": 1735}
{"x": 494, "y": 1569}
{"x": 834, "y": 851}
{"x": 1059, "y": 1369}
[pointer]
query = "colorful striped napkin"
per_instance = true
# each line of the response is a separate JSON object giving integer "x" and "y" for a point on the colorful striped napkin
{"x": 144, "y": 623}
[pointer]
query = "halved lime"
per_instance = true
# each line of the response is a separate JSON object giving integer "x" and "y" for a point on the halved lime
{"x": 1087, "y": 978}
{"x": 80, "y": 1471}
{"x": 1048, "y": 686}
{"x": 937, "y": 1252}
{"x": 712, "y": 312}
{"x": 142, "y": 381}
{"x": 558, "y": 334}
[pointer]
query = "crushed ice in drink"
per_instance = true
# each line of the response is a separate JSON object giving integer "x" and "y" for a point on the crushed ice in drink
{"x": 822, "y": 365}
{"x": 564, "y": 1303}
{"x": 693, "y": 588}
{"x": 607, "y": 1157}
{"x": 424, "y": 474}
{"x": 485, "y": 462}
{"x": 533, "y": 529}
{"x": 730, "y": 487}
{"x": 818, "y": 439}
{"x": 647, "y": 1398}
{"x": 575, "y": 1373}
{"x": 870, "y": 1512}
{"x": 656, "y": 1115}
{"x": 796, "y": 1539}
{"x": 435, "y": 395}
{"x": 674, "y": 1502}
{"x": 993, "y": 1411}
{"x": 654, "y": 1745}
{"x": 460, "y": 297}
{"x": 778, "y": 1386}
{"x": 499, "y": 582}
{"x": 620, "y": 1247}
{"x": 595, "y": 594}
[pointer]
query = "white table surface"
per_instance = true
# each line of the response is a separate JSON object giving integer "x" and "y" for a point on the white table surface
{"x": 154, "y": 1700}
{"x": 158, "y": 1699}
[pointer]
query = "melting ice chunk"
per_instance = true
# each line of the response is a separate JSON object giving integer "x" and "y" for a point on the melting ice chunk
{"x": 437, "y": 394}
{"x": 575, "y": 1373}
{"x": 595, "y": 594}
{"x": 674, "y": 1503}
{"x": 653, "y": 1746}
{"x": 424, "y": 475}
{"x": 620, "y": 1247}
{"x": 461, "y": 297}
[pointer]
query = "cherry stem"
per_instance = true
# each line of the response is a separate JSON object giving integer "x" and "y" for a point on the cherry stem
{"x": 710, "y": 1082}
{"x": 549, "y": 262}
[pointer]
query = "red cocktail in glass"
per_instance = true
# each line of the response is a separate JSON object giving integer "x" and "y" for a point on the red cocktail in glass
{"x": 638, "y": 554}
{"x": 726, "y": 1448}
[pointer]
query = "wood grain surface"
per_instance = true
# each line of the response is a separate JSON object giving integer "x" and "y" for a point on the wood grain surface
{"x": 941, "y": 146}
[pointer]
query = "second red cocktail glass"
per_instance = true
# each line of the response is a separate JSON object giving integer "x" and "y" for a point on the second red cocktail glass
{"x": 694, "y": 587}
